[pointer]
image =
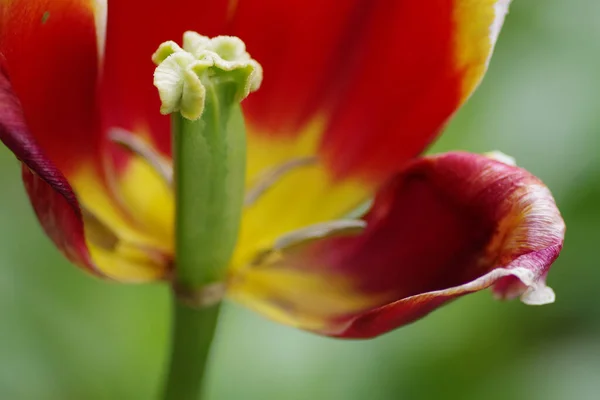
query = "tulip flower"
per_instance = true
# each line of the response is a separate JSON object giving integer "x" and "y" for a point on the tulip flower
{"x": 345, "y": 230}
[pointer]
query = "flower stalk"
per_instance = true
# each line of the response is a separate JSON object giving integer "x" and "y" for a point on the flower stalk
{"x": 193, "y": 331}
{"x": 201, "y": 85}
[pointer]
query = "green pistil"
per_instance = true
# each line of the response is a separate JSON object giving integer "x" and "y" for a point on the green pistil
{"x": 201, "y": 85}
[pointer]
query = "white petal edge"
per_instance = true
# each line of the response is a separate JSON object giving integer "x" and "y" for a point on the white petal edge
{"x": 500, "y": 11}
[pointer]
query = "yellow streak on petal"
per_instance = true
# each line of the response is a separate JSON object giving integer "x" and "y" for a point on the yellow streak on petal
{"x": 128, "y": 260}
{"x": 94, "y": 196}
{"x": 127, "y": 263}
{"x": 265, "y": 151}
{"x": 303, "y": 196}
{"x": 477, "y": 23}
{"x": 149, "y": 200}
{"x": 299, "y": 298}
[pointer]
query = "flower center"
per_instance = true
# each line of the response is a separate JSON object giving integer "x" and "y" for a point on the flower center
{"x": 163, "y": 166}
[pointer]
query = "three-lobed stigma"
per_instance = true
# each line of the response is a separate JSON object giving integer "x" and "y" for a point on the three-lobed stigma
{"x": 184, "y": 73}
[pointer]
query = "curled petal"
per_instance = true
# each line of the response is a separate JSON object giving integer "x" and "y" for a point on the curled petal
{"x": 43, "y": 117}
{"x": 60, "y": 216}
{"x": 446, "y": 226}
{"x": 52, "y": 197}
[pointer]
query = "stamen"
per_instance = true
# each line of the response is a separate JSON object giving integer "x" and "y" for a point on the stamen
{"x": 139, "y": 147}
{"x": 343, "y": 227}
{"x": 272, "y": 176}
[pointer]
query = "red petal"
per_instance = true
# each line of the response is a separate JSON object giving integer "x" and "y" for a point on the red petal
{"x": 302, "y": 47}
{"x": 386, "y": 75}
{"x": 326, "y": 60}
{"x": 50, "y": 55}
{"x": 59, "y": 214}
{"x": 447, "y": 226}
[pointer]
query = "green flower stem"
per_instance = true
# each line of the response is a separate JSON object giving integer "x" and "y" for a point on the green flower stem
{"x": 209, "y": 170}
{"x": 193, "y": 332}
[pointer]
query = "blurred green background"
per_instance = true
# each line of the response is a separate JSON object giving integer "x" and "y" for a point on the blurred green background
{"x": 65, "y": 335}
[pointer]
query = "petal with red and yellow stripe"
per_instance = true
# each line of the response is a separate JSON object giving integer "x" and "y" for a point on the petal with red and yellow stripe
{"x": 446, "y": 226}
{"x": 50, "y": 63}
{"x": 352, "y": 91}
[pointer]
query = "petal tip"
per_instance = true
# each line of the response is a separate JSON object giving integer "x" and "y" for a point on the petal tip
{"x": 538, "y": 295}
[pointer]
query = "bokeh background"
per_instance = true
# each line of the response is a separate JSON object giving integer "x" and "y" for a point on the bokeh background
{"x": 65, "y": 335}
